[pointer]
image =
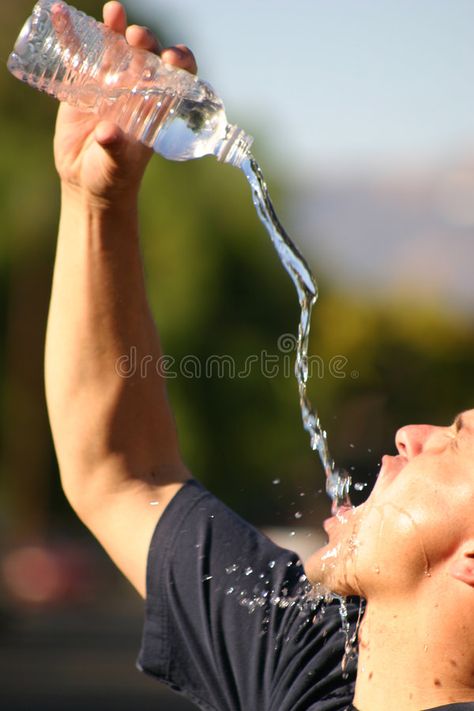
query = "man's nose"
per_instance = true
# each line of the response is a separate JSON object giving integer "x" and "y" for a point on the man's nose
{"x": 411, "y": 440}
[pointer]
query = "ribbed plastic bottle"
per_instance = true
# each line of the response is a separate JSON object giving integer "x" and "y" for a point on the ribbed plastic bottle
{"x": 65, "y": 53}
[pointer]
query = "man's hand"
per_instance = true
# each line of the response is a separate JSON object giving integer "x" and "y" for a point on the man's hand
{"x": 94, "y": 157}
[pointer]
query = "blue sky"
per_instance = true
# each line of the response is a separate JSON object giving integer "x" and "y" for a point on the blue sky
{"x": 337, "y": 83}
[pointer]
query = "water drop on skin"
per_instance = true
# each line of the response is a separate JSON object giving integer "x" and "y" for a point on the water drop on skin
{"x": 275, "y": 482}
{"x": 298, "y": 514}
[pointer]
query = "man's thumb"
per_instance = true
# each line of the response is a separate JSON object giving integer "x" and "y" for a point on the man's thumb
{"x": 110, "y": 137}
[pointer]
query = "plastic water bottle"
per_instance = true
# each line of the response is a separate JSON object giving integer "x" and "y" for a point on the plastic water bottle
{"x": 65, "y": 53}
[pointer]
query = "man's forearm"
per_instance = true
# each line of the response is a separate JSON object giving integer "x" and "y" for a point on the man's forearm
{"x": 109, "y": 424}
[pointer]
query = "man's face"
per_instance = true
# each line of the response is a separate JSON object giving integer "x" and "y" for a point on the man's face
{"x": 420, "y": 511}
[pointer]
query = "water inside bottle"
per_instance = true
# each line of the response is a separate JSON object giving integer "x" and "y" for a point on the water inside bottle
{"x": 193, "y": 130}
{"x": 337, "y": 480}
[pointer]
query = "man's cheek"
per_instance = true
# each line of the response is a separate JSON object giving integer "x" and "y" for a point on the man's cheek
{"x": 392, "y": 551}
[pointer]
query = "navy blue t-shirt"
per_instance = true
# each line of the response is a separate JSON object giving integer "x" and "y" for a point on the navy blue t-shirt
{"x": 469, "y": 706}
{"x": 227, "y": 620}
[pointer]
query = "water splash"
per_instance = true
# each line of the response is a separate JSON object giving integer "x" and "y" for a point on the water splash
{"x": 350, "y": 640}
{"x": 338, "y": 481}
{"x": 307, "y": 599}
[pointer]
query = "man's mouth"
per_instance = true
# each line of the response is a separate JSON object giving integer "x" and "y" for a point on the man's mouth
{"x": 340, "y": 516}
{"x": 391, "y": 467}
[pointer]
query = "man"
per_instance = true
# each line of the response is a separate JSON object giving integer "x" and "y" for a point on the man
{"x": 227, "y": 620}
{"x": 409, "y": 550}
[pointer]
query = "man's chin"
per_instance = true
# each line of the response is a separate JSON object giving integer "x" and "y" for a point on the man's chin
{"x": 326, "y": 572}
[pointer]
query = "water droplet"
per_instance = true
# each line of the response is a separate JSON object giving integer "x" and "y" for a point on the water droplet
{"x": 232, "y": 568}
{"x": 302, "y": 493}
{"x": 206, "y": 578}
{"x": 229, "y": 591}
{"x": 276, "y": 481}
{"x": 298, "y": 514}
{"x": 248, "y": 571}
{"x": 271, "y": 563}
{"x": 292, "y": 533}
{"x": 352, "y": 446}
{"x": 360, "y": 485}
{"x": 369, "y": 450}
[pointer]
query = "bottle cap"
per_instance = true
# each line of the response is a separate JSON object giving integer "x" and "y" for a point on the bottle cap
{"x": 235, "y": 147}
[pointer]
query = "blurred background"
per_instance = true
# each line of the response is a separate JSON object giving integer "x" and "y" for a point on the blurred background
{"x": 362, "y": 115}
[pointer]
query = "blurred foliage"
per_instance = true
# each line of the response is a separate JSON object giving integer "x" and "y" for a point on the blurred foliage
{"x": 216, "y": 288}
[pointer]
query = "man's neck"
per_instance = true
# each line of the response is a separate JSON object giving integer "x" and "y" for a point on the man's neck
{"x": 414, "y": 655}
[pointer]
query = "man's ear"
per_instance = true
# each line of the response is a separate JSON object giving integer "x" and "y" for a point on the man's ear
{"x": 462, "y": 564}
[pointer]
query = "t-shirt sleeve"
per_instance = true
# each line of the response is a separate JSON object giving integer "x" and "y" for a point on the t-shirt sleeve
{"x": 228, "y": 622}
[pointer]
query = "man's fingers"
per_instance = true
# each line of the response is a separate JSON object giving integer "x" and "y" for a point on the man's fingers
{"x": 180, "y": 56}
{"x": 142, "y": 37}
{"x": 64, "y": 28}
{"x": 115, "y": 16}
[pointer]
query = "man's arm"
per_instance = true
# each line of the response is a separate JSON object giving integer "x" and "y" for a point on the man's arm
{"x": 113, "y": 429}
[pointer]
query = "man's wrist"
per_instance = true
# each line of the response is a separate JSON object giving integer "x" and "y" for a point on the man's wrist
{"x": 104, "y": 220}
{"x": 119, "y": 203}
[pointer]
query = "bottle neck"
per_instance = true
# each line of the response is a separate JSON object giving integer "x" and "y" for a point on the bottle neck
{"x": 234, "y": 147}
